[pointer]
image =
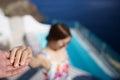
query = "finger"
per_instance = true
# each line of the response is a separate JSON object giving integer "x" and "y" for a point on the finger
{"x": 30, "y": 52}
{"x": 14, "y": 72}
{"x": 19, "y": 70}
{"x": 12, "y": 54}
{"x": 28, "y": 61}
{"x": 10, "y": 68}
{"x": 19, "y": 55}
{"x": 24, "y": 56}
{"x": 29, "y": 55}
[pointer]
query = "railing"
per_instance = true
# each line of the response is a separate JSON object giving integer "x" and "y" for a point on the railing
{"x": 100, "y": 45}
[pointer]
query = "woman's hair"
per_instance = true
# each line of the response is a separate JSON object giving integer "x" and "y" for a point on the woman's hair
{"x": 58, "y": 31}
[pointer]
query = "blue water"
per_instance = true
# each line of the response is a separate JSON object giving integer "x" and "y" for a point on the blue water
{"x": 78, "y": 57}
{"x": 102, "y": 17}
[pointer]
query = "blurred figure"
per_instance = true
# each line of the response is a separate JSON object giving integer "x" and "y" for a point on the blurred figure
{"x": 7, "y": 67}
{"x": 54, "y": 58}
{"x": 20, "y": 8}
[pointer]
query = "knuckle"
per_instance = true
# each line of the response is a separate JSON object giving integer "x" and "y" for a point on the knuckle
{"x": 14, "y": 49}
{"x": 19, "y": 51}
{"x": 25, "y": 51}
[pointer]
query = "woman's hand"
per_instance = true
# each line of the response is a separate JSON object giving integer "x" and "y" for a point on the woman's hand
{"x": 20, "y": 55}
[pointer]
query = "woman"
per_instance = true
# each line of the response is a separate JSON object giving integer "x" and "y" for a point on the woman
{"x": 53, "y": 58}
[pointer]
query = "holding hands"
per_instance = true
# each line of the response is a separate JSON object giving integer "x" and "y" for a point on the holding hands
{"x": 20, "y": 55}
{"x": 14, "y": 62}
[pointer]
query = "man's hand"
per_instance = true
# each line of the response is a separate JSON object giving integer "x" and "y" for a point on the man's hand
{"x": 6, "y": 68}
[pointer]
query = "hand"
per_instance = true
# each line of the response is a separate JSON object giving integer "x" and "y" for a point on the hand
{"x": 20, "y": 55}
{"x": 6, "y": 68}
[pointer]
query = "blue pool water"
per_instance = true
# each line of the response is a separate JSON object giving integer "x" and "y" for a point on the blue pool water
{"x": 78, "y": 57}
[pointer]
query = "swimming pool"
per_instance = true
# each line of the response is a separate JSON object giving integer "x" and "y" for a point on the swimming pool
{"x": 78, "y": 57}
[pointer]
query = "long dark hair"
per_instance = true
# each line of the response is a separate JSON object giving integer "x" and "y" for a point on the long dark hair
{"x": 58, "y": 31}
